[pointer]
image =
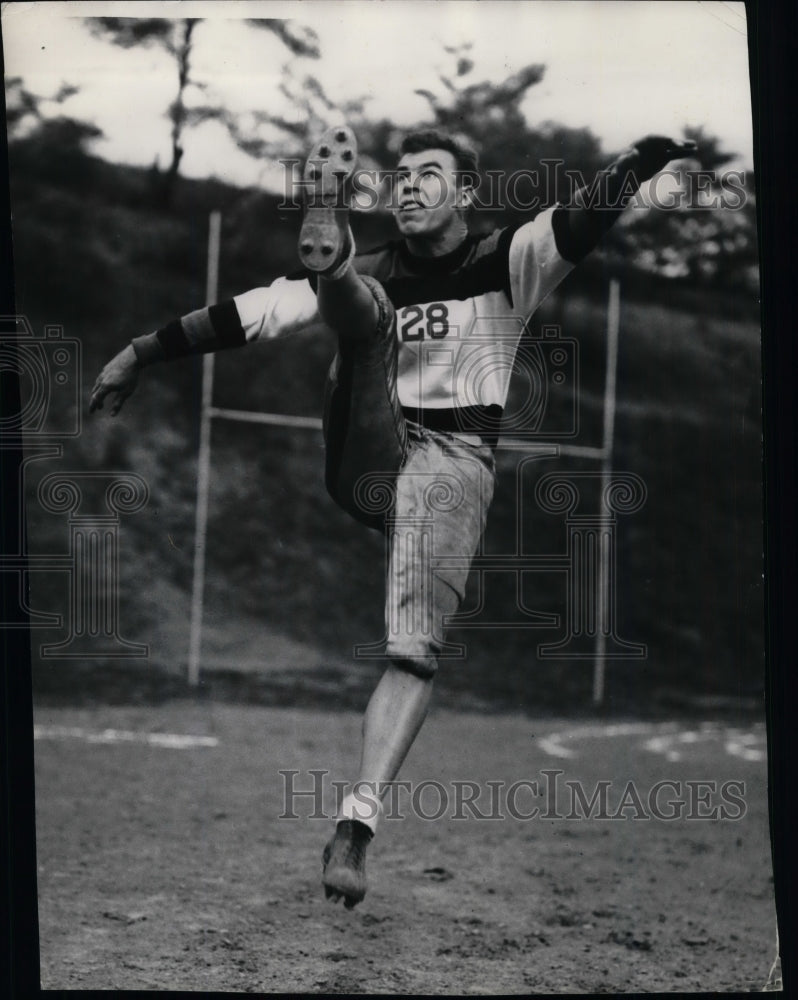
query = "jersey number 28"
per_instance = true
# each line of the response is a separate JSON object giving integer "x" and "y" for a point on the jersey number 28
{"x": 420, "y": 321}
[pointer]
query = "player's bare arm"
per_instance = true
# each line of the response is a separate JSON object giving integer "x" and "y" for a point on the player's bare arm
{"x": 118, "y": 379}
{"x": 284, "y": 307}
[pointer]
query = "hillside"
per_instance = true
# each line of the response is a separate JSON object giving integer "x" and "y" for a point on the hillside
{"x": 285, "y": 566}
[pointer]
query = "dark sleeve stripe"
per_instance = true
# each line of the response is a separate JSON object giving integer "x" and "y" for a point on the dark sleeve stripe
{"x": 568, "y": 246}
{"x": 173, "y": 340}
{"x": 227, "y": 324}
{"x": 222, "y": 320}
{"x": 503, "y": 254}
{"x": 578, "y": 231}
{"x": 488, "y": 273}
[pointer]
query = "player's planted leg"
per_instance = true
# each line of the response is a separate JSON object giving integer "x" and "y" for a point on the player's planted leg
{"x": 344, "y": 863}
{"x": 395, "y": 713}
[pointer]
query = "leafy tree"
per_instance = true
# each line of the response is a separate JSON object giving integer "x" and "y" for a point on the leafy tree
{"x": 21, "y": 106}
{"x": 489, "y": 117}
{"x": 25, "y": 111}
{"x": 703, "y": 231}
{"x": 42, "y": 142}
{"x": 709, "y": 153}
{"x": 297, "y": 38}
{"x": 177, "y": 38}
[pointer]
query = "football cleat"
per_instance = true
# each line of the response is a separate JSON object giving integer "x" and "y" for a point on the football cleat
{"x": 344, "y": 863}
{"x": 325, "y": 240}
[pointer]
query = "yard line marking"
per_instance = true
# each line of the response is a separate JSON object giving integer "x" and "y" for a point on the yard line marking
{"x": 663, "y": 738}
{"x": 553, "y": 744}
{"x": 740, "y": 746}
{"x": 167, "y": 741}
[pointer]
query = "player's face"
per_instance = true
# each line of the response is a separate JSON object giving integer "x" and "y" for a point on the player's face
{"x": 426, "y": 199}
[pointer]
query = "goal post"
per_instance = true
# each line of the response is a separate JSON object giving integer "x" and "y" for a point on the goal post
{"x": 204, "y": 461}
{"x": 208, "y": 412}
{"x": 608, "y": 437}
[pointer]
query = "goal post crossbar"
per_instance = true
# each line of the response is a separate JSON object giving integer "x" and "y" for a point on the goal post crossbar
{"x": 211, "y": 412}
{"x": 315, "y": 424}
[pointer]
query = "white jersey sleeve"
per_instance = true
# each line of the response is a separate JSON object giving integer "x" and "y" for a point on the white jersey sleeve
{"x": 284, "y": 307}
{"x": 536, "y": 267}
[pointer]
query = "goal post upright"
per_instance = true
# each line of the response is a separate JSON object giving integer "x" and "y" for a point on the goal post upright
{"x": 610, "y": 380}
{"x": 203, "y": 461}
{"x": 208, "y": 412}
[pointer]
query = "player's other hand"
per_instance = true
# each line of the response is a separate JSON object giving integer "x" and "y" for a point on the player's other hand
{"x": 118, "y": 379}
{"x": 655, "y": 151}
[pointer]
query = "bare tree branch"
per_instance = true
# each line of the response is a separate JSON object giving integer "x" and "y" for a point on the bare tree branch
{"x": 298, "y": 38}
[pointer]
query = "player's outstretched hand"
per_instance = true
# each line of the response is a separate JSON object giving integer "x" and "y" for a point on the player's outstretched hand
{"x": 656, "y": 150}
{"x": 120, "y": 377}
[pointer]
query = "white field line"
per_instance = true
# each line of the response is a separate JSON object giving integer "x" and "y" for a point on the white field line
{"x": 739, "y": 745}
{"x": 553, "y": 744}
{"x": 663, "y": 738}
{"x": 167, "y": 741}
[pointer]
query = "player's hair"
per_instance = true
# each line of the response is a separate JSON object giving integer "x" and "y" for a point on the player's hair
{"x": 466, "y": 159}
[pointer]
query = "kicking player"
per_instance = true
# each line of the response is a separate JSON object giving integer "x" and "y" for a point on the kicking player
{"x": 427, "y": 327}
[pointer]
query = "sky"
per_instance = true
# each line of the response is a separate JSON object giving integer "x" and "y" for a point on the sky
{"x": 622, "y": 68}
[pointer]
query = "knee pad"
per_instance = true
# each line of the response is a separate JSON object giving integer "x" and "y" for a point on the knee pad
{"x": 424, "y": 667}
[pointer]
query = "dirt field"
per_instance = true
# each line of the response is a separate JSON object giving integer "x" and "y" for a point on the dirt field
{"x": 165, "y": 866}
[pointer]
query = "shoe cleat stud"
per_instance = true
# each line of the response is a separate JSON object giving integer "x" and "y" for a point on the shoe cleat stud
{"x": 325, "y": 238}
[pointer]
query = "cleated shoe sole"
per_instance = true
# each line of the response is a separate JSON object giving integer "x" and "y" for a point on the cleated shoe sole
{"x": 325, "y": 240}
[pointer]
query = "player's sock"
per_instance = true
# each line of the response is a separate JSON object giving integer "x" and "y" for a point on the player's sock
{"x": 326, "y": 244}
{"x": 361, "y": 805}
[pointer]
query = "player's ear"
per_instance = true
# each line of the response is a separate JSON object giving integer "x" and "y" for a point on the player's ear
{"x": 465, "y": 197}
{"x": 467, "y": 182}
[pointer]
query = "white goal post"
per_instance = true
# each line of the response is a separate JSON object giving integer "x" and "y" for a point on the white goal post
{"x": 209, "y": 412}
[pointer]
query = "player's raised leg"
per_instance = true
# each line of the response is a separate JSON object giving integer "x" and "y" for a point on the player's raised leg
{"x": 326, "y": 244}
{"x": 365, "y": 431}
{"x": 366, "y": 437}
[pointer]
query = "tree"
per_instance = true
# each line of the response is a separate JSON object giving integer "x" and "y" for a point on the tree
{"x": 708, "y": 154}
{"x": 297, "y": 38}
{"x": 703, "y": 230}
{"x": 21, "y": 107}
{"x": 489, "y": 117}
{"x": 26, "y": 111}
{"x": 43, "y": 142}
{"x": 176, "y": 38}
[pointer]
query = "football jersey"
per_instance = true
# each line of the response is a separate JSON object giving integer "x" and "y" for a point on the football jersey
{"x": 459, "y": 317}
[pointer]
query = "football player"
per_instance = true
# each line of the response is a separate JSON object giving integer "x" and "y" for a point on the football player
{"x": 427, "y": 327}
